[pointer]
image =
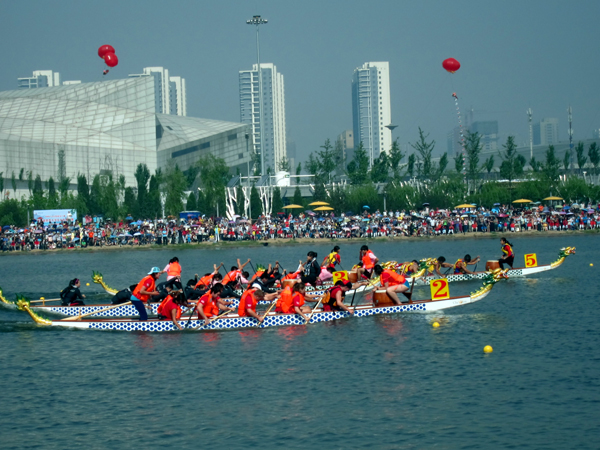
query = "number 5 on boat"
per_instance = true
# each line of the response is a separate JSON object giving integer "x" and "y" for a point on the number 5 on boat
{"x": 530, "y": 260}
{"x": 439, "y": 289}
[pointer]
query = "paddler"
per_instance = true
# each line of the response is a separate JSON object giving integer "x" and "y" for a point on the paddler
{"x": 173, "y": 269}
{"x": 206, "y": 281}
{"x": 368, "y": 259}
{"x": 144, "y": 290}
{"x": 393, "y": 282}
{"x": 248, "y": 302}
{"x": 291, "y": 300}
{"x": 460, "y": 266}
{"x": 438, "y": 264}
{"x": 508, "y": 256}
{"x": 335, "y": 300}
{"x": 209, "y": 304}
{"x": 170, "y": 308}
{"x": 235, "y": 272}
{"x": 409, "y": 268}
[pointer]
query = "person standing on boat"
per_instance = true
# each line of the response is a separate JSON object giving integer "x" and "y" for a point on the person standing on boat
{"x": 173, "y": 269}
{"x": 71, "y": 295}
{"x": 460, "y": 266}
{"x": 508, "y": 256}
{"x": 248, "y": 302}
{"x": 333, "y": 259}
{"x": 337, "y": 293}
{"x": 393, "y": 283}
{"x": 368, "y": 259}
{"x": 310, "y": 269}
{"x": 144, "y": 290}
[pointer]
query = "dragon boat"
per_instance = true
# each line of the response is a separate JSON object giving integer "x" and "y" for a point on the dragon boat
{"x": 233, "y": 321}
{"x": 512, "y": 273}
{"x": 109, "y": 310}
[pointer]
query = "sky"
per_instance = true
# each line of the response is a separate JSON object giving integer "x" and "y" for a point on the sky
{"x": 515, "y": 55}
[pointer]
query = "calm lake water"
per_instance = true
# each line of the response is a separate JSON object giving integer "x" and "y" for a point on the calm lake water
{"x": 380, "y": 382}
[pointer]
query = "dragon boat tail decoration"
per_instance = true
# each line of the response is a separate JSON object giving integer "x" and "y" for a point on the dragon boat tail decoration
{"x": 489, "y": 280}
{"x": 562, "y": 255}
{"x": 3, "y": 298}
{"x": 98, "y": 279}
{"x": 24, "y": 305}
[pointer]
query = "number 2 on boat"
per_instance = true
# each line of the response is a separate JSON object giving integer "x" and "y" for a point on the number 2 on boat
{"x": 530, "y": 260}
{"x": 439, "y": 289}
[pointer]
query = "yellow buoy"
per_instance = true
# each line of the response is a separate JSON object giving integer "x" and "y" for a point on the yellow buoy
{"x": 435, "y": 324}
{"x": 591, "y": 265}
{"x": 42, "y": 298}
{"x": 488, "y": 349}
{"x": 87, "y": 284}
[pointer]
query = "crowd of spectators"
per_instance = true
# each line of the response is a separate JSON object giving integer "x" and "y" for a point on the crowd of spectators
{"x": 425, "y": 222}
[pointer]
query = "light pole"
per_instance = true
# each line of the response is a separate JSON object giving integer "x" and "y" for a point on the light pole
{"x": 257, "y": 20}
{"x": 249, "y": 212}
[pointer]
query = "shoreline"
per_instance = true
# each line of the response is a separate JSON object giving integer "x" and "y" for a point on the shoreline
{"x": 307, "y": 241}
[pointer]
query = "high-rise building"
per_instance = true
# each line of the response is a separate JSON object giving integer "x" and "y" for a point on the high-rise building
{"x": 347, "y": 140}
{"x": 488, "y": 131}
{"x": 270, "y": 140}
{"x": 166, "y": 90}
{"x": 545, "y": 132}
{"x": 371, "y": 108}
{"x": 40, "y": 78}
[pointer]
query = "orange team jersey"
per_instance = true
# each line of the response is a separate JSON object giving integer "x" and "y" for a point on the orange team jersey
{"x": 208, "y": 305}
{"x": 148, "y": 283}
{"x": 256, "y": 275}
{"x": 168, "y": 305}
{"x": 291, "y": 276}
{"x": 231, "y": 276}
{"x": 204, "y": 281}
{"x": 284, "y": 303}
{"x": 174, "y": 270}
{"x": 392, "y": 278}
{"x": 298, "y": 301}
{"x": 247, "y": 302}
{"x": 368, "y": 260}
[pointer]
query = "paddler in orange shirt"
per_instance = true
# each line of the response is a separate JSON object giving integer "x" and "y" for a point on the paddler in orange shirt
{"x": 368, "y": 259}
{"x": 235, "y": 272}
{"x": 170, "y": 308}
{"x": 393, "y": 283}
{"x": 248, "y": 302}
{"x": 173, "y": 269}
{"x": 210, "y": 304}
{"x": 144, "y": 290}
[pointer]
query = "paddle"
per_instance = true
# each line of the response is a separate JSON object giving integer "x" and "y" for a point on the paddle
{"x": 273, "y": 303}
{"x": 48, "y": 300}
{"x": 224, "y": 313}
{"x": 314, "y": 309}
{"x": 191, "y": 314}
{"x": 94, "y": 312}
{"x": 370, "y": 283}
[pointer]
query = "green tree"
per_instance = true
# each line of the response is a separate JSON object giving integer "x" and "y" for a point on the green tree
{"x": 201, "y": 203}
{"x": 255, "y": 203}
{"x": 424, "y": 149}
{"x": 13, "y": 182}
{"x": 338, "y": 155}
{"x": 192, "y": 204}
{"x": 142, "y": 176}
{"x": 96, "y": 196}
{"x": 30, "y": 181}
{"x": 277, "y": 201}
{"x": 21, "y": 174}
{"x": 214, "y": 175}
{"x": 312, "y": 165}
{"x": 488, "y": 164}
{"x": 154, "y": 204}
{"x": 395, "y": 157}
{"x": 594, "y": 155}
{"x": 109, "y": 205}
{"x": 358, "y": 169}
{"x": 129, "y": 201}
{"x": 441, "y": 168}
{"x": 380, "y": 170}
{"x": 83, "y": 195}
{"x": 299, "y": 169}
{"x": 551, "y": 168}
{"x": 473, "y": 149}
{"x": 567, "y": 160}
{"x": 410, "y": 166}
{"x": 175, "y": 185}
{"x": 535, "y": 165}
{"x": 297, "y": 200}
{"x": 1, "y": 184}
{"x": 39, "y": 202}
{"x": 581, "y": 158}
{"x": 459, "y": 162}
{"x": 52, "y": 194}
{"x": 284, "y": 165}
{"x": 241, "y": 200}
{"x": 513, "y": 164}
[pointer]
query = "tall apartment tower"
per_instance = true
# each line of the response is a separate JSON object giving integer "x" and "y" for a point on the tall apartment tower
{"x": 169, "y": 92}
{"x": 269, "y": 138}
{"x": 371, "y": 108}
{"x": 40, "y": 78}
{"x": 545, "y": 132}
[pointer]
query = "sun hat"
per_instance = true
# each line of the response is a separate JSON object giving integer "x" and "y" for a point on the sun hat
{"x": 154, "y": 270}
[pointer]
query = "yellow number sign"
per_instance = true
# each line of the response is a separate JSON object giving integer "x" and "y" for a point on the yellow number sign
{"x": 530, "y": 260}
{"x": 439, "y": 289}
{"x": 341, "y": 275}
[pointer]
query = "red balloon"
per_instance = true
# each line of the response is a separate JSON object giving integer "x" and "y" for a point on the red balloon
{"x": 104, "y": 49}
{"x": 451, "y": 65}
{"x": 111, "y": 59}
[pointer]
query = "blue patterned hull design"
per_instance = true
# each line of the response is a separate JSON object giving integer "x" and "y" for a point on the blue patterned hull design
{"x": 513, "y": 273}
{"x": 272, "y": 320}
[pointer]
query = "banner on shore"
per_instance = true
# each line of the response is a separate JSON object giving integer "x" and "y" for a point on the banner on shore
{"x": 58, "y": 216}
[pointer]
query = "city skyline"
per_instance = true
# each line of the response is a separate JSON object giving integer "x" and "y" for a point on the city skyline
{"x": 514, "y": 56}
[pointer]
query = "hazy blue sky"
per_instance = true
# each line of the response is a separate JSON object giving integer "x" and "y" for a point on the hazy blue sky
{"x": 541, "y": 54}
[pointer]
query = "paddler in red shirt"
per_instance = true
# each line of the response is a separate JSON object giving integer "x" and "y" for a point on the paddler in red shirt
{"x": 248, "y": 302}
{"x": 393, "y": 283}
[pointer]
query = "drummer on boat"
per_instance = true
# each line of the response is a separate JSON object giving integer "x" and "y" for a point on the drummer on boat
{"x": 394, "y": 283}
{"x": 333, "y": 259}
{"x": 173, "y": 269}
{"x": 368, "y": 260}
{"x": 508, "y": 256}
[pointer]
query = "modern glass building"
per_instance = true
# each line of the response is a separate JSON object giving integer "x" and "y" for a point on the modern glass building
{"x": 169, "y": 92}
{"x": 106, "y": 127}
{"x": 371, "y": 108}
